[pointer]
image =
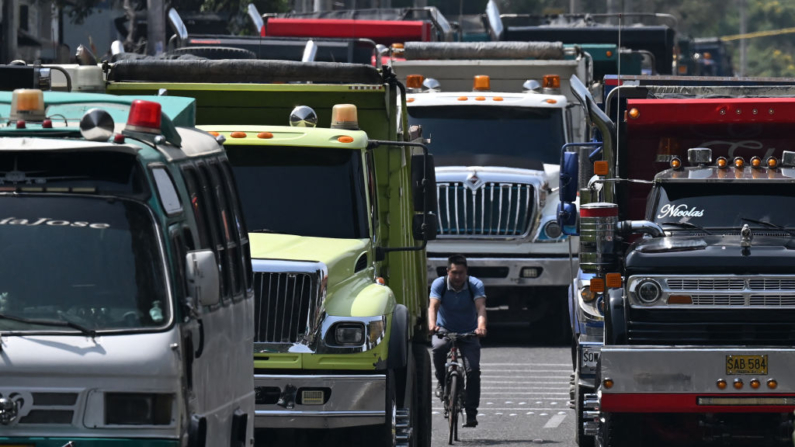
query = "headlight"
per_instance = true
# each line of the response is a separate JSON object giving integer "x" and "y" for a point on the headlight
{"x": 138, "y": 408}
{"x": 648, "y": 291}
{"x": 349, "y": 334}
{"x": 587, "y": 294}
{"x": 552, "y": 230}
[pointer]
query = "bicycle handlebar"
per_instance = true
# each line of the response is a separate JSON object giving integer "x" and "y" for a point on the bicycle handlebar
{"x": 455, "y": 335}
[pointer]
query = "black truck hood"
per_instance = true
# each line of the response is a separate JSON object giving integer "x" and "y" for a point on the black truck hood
{"x": 717, "y": 254}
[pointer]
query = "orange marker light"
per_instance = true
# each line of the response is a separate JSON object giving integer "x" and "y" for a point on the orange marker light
{"x": 265, "y": 135}
{"x": 480, "y": 98}
{"x": 755, "y": 383}
{"x": 772, "y": 384}
{"x": 551, "y": 101}
{"x": 238, "y": 135}
{"x": 756, "y": 162}
{"x": 680, "y": 299}
{"x": 598, "y": 285}
{"x": 345, "y": 139}
{"x": 482, "y": 83}
{"x": 721, "y": 384}
{"x": 634, "y": 113}
{"x": 213, "y": 133}
{"x": 738, "y": 384}
{"x": 462, "y": 98}
{"x": 613, "y": 280}
{"x": 601, "y": 167}
{"x": 380, "y": 281}
{"x": 676, "y": 163}
{"x": 410, "y": 100}
{"x": 497, "y": 98}
{"x": 772, "y": 162}
{"x": 608, "y": 383}
{"x": 414, "y": 81}
{"x": 722, "y": 162}
{"x": 551, "y": 81}
{"x": 739, "y": 163}
{"x": 609, "y": 53}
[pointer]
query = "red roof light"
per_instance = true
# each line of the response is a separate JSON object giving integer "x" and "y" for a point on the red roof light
{"x": 144, "y": 116}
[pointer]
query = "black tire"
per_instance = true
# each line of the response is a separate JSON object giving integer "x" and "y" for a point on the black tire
{"x": 579, "y": 398}
{"x": 424, "y": 388}
{"x": 215, "y": 53}
{"x": 452, "y": 409}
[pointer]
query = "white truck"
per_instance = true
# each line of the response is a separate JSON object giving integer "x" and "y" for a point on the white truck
{"x": 496, "y": 128}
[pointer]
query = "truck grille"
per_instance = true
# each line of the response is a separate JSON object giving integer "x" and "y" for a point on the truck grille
{"x": 283, "y": 306}
{"x": 493, "y": 210}
{"x": 724, "y": 327}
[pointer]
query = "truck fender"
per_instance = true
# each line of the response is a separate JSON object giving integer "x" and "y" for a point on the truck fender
{"x": 398, "y": 338}
{"x": 615, "y": 318}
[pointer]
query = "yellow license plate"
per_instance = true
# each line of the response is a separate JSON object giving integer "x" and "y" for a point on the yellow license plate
{"x": 746, "y": 364}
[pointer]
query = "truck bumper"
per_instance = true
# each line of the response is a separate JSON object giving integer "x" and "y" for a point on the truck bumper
{"x": 349, "y": 401}
{"x": 508, "y": 271}
{"x": 650, "y": 379}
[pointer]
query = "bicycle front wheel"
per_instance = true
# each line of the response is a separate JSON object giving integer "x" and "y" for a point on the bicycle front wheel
{"x": 452, "y": 408}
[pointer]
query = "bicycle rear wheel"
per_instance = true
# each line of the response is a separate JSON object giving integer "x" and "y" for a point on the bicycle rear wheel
{"x": 452, "y": 409}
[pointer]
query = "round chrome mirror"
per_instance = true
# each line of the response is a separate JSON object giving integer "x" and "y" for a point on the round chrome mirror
{"x": 97, "y": 125}
{"x": 431, "y": 84}
{"x": 532, "y": 86}
{"x": 303, "y": 116}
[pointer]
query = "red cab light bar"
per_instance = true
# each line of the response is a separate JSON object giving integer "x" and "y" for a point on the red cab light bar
{"x": 145, "y": 116}
{"x": 385, "y": 32}
{"x": 712, "y": 111}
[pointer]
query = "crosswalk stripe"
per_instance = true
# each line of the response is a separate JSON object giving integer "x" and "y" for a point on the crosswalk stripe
{"x": 555, "y": 421}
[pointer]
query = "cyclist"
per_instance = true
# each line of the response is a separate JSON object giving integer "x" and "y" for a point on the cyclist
{"x": 458, "y": 304}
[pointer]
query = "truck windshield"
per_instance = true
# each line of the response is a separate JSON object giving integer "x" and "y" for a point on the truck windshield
{"x": 466, "y": 135}
{"x": 93, "y": 262}
{"x": 316, "y": 192}
{"x": 724, "y": 205}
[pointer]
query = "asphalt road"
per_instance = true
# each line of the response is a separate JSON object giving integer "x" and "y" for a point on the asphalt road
{"x": 524, "y": 400}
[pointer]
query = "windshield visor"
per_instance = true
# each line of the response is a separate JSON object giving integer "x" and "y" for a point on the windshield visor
{"x": 520, "y": 137}
{"x": 317, "y": 192}
{"x": 94, "y": 262}
{"x": 724, "y": 205}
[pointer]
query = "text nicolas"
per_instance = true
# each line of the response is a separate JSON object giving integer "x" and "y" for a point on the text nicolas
{"x": 52, "y": 223}
{"x": 682, "y": 210}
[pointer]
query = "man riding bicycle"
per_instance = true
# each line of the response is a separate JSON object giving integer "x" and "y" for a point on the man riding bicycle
{"x": 458, "y": 304}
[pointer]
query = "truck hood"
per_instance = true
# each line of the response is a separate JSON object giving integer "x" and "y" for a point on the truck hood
{"x": 339, "y": 255}
{"x": 712, "y": 254}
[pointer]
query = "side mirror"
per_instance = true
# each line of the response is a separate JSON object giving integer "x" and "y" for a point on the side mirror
{"x": 201, "y": 272}
{"x": 569, "y": 172}
{"x": 418, "y": 174}
{"x": 567, "y": 218}
{"x": 429, "y": 233}
{"x": 177, "y": 24}
{"x": 256, "y": 18}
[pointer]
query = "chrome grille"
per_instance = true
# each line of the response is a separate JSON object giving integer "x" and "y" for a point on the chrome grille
{"x": 283, "y": 306}
{"x": 718, "y": 300}
{"x": 772, "y": 284}
{"x": 772, "y": 300}
{"x": 492, "y": 210}
{"x": 706, "y": 283}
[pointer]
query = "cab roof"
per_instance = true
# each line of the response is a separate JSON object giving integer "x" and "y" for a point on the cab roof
{"x": 265, "y": 135}
{"x": 489, "y": 98}
{"x": 711, "y": 174}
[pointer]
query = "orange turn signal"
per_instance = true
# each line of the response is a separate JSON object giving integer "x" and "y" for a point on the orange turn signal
{"x": 265, "y": 135}
{"x": 601, "y": 168}
{"x": 551, "y": 81}
{"x": 238, "y": 135}
{"x": 634, "y": 113}
{"x": 551, "y": 101}
{"x": 608, "y": 383}
{"x": 597, "y": 285}
{"x": 345, "y": 139}
{"x": 680, "y": 299}
{"x": 482, "y": 83}
{"x": 613, "y": 280}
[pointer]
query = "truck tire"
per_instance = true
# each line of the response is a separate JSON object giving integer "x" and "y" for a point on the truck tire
{"x": 216, "y": 53}
{"x": 424, "y": 388}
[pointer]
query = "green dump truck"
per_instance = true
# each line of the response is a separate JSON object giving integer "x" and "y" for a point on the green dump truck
{"x": 338, "y": 222}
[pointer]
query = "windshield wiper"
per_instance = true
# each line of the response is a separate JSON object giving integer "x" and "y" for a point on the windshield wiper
{"x": 789, "y": 231}
{"x": 687, "y": 225}
{"x": 65, "y": 323}
{"x": 261, "y": 230}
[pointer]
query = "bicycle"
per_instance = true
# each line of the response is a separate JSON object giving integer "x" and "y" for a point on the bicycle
{"x": 454, "y": 382}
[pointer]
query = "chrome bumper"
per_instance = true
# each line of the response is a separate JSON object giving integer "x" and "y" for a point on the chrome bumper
{"x": 354, "y": 400}
{"x": 554, "y": 271}
{"x": 669, "y": 370}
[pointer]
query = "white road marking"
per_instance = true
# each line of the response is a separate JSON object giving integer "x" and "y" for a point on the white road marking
{"x": 555, "y": 421}
{"x": 508, "y": 402}
{"x": 516, "y": 387}
{"x": 526, "y": 364}
{"x": 514, "y": 409}
{"x": 543, "y": 414}
{"x": 435, "y": 412}
{"x": 561, "y": 412}
{"x": 498, "y": 414}
{"x": 512, "y": 414}
{"x": 531, "y": 412}
{"x": 567, "y": 371}
{"x": 522, "y": 403}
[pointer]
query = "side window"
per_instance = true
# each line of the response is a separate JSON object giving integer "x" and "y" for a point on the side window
{"x": 219, "y": 228}
{"x": 198, "y": 206}
{"x": 569, "y": 125}
{"x": 166, "y": 191}
{"x": 230, "y": 227}
{"x": 180, "y": 252}
{"x": 372, "y": 190}
{"x": 242, "y": 232}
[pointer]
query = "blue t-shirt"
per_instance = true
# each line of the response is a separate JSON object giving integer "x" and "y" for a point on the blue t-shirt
{"x": 457, "y": 312}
